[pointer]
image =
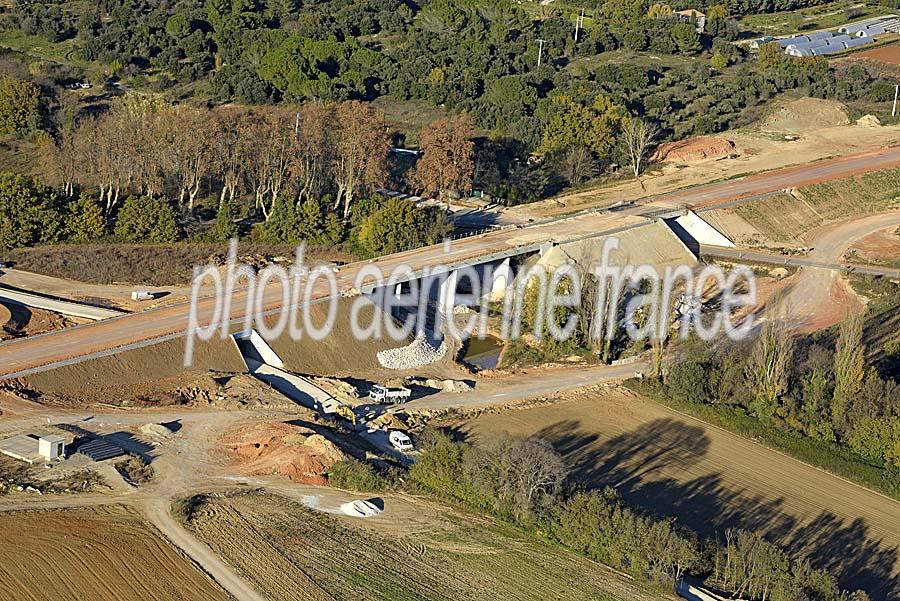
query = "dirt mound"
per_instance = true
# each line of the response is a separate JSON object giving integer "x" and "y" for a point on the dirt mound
{"x": 282, "y": 449}
{"x": 869, "y": 121}
{"x": 805, "y": 114}
{"x": 693, "y": 149}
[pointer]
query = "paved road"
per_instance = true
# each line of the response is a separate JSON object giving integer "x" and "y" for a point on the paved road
{"x": 18, "y": 297}
{"x": 767, "y": 258}
{"x": 19, "y": 357}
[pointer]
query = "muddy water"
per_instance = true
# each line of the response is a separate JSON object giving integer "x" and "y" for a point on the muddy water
{"x": 483, "y": 353}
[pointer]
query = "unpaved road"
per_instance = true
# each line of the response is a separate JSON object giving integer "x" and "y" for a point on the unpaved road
{"x": 528, "y": 383}
{"x": 710, "y": 479}
{"x": 821, "y": 297}
{"x": 75, "y": 344}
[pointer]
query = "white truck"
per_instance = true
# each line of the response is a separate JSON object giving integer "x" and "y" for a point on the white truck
{"x": 400, "y": 441}
{"x": 383, "y": 394}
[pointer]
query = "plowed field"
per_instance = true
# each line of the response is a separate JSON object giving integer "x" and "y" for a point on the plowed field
{"x": 93, "y": 553}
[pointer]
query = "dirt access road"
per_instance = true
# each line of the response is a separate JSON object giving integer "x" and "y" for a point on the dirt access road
{"x": 74, "y": 344}
{"x": 710, "y": 479}
{"x": 820, "y": 297}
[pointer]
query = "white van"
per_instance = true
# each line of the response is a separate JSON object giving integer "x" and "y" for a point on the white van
{"x": 400, "y": 441}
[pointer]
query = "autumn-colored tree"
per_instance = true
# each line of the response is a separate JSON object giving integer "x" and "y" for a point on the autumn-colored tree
{"x": 361, "y": 146}
{"x": 313, "y": 157}
{"x": 447, "y": 162}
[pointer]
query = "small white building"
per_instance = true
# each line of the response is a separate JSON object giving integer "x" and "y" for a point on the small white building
{"x": 51, "y": 447}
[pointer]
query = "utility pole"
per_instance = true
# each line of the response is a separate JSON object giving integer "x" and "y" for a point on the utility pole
{"x": 579, "y": 23}
{"x": 540, "y": 50}
{"x": 894, "y": 110}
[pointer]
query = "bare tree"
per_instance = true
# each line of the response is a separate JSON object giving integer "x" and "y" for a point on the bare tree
{"x": 535, "y": 470}
{"x": 577, "y": 164}
{"x": 231, "y": 150}
{"x": 190, "y": 136}
{"x": 638, "y": 136}
{"x": 361, "y": 147}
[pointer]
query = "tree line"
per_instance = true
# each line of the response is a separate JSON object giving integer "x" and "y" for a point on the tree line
{"x": 144, "y": 164}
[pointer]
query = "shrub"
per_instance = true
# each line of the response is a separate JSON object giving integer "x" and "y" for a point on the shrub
{"x": 145, "y": 219}
{"x": 29, "y": 212}
{"x": 135, "y": 469}
{"x": 85, "y": 221}
{"x": 356, "y": 475}
{"x": 689, "y": 381}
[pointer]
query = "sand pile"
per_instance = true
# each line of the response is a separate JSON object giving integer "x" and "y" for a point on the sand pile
{"x": 277, "y": 448}
{"x": 869, "y": 121}
{"x": 693, "y": 149}
{"x": 360, "y": 509}
{"x": 159, "y": 431}
{"x": 805, "y": 114}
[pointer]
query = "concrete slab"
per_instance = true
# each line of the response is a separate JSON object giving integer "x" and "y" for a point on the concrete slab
{"x": 22, "y": 447}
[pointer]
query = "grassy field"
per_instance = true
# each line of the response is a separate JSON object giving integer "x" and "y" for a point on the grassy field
{"x": 291, "y": 552}
{"x": 93, "y": 553}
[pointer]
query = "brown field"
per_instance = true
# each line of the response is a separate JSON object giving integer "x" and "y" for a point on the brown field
{"x": 415, "y": 550}
{"x": 888, "y": 54}
{"x": 709, "y": 480}
{"x": 881, "y": 247}
{"x": 95, "y": 553}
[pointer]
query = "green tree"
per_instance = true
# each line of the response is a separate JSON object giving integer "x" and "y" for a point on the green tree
{"x": 29, "y": 212}
{"x": 768, "y": 370}
{"x": 282, "y": 226}
{"x": 21, "y": 107}
{"x": 770, "y": 56}
{"x": 226, "y": 228}
{"x": 718, "y": 61}
{"x": 146, "y": 219}
{"x": 398, "y": 225}
{"x": 85, "y": 221}
{"x": 686, "y": 38}
{"x": 596, "y": 126}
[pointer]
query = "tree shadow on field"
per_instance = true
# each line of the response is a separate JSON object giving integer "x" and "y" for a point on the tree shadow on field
{"x": 657, "y": 467}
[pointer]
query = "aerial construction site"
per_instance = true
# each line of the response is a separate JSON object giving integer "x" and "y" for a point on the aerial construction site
{"x": 479, "y": 300}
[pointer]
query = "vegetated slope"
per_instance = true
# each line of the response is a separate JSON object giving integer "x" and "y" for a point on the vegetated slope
{"x": 93, "y": 553}
{"x": 291, "y": 552}
{"x": 785, "y": 219}
{"x": 710, "y": 480}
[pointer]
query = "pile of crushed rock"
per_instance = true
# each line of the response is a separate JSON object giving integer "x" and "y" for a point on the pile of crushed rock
{"x": 418, "y": 353}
